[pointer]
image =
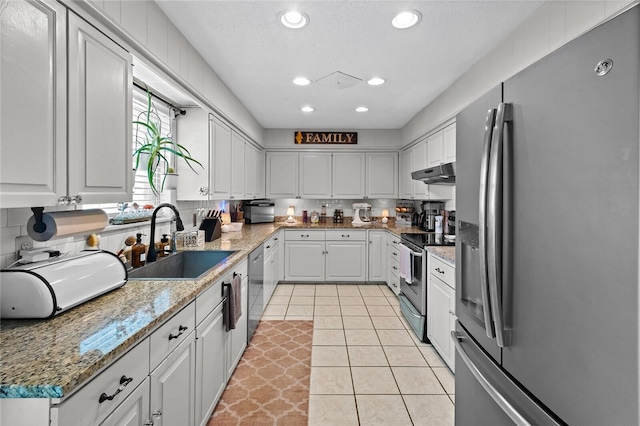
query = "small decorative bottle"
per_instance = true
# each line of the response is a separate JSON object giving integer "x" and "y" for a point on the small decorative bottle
{"x": 138, "y": 252}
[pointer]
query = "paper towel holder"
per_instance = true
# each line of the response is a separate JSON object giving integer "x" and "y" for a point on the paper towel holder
{"x": 39, "y": 226}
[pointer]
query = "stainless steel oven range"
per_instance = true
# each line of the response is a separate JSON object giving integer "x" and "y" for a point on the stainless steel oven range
{"x": 413, "y": 278}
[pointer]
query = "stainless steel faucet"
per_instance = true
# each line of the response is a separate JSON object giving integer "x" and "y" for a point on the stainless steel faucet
{"x": 151, "y": 253}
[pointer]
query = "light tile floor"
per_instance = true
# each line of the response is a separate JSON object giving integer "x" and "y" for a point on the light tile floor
{"x": 368, "y": 367}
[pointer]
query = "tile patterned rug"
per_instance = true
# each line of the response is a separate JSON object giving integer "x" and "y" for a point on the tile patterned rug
{"x": 270, "y": 386}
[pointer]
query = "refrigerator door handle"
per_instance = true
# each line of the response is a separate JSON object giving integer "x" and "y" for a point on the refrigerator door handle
{"x": 502, "y": 402}
{"x": 495, "y": 222}
{"x": 482, "y": 218}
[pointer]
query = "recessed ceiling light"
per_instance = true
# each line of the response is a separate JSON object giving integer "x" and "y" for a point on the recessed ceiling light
{"x": 362, "y": 109}
{"x": 406, "y": 19}
{"x": 376, "y": 81}
{"x": 301, "y": 81}
{"x": 306, "y": 109}
{"x": 294, "y": 19}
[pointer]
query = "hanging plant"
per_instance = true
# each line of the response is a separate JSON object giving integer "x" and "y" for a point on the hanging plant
{"x": 153, "y": 148}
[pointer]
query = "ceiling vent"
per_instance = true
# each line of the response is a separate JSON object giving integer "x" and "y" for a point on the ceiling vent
{"x": 338, "y": 80}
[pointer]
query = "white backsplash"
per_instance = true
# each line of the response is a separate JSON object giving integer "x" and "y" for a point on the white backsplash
{"x": 13, "y": 223}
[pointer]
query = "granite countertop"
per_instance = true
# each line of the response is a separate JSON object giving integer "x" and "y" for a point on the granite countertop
{"x": 50, "y": 358}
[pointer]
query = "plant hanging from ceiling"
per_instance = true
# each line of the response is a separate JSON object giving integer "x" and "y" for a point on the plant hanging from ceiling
{"x": 154, "y": 149}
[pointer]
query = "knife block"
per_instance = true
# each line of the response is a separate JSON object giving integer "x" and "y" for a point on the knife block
{"x": 212, "y": 228}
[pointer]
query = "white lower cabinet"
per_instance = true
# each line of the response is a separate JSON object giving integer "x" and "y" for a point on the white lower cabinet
{"x": 271, "y": 267}
{"x": 173, "y": 386}
{"x": 304, "y": 261}
{"x": 441, "y": 306}
{"x": 345, "y": 260}
{"x": 237, "y": 338}
{"x": 336, "y": 255}
{"x": 99, "y": 399}
{"x": 378, "y": 257}
{"x": 394, "y": 263}
{"x": 210, "y": 371}
{"x": 134, "y": 411}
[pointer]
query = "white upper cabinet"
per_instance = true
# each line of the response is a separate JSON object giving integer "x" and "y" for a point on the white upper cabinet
{"x": 87, "y": 160}
{"x": 221, "y": 143}
{"x": 33, "y": 134}
{"x": 282, "y": 174}
{"x": 250, "y": 167}
{"x": 406, "y": 167}
{"x": 237, "y": 166}
{"x": 435, "y": 146}
{"x": 193, "y": 134}
{"x": 315, "y": 175}
{"x": 100, "y": 87}
{"x": 260, "y": 174}
{"x": 348, "y": 175}
{"x": 450, "y": 143}
{"x": 420, "y": 161}
{"x": 382, "y": 175}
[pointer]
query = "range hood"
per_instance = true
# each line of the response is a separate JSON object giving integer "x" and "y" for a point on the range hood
{"x": 444, "y": 174}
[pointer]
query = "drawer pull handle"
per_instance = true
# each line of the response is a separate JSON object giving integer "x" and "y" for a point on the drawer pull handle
{"x": 395, "y": 267}
{"x": 181, "y": 331}
{"x": 268, "y": 247}
{"x": 345, "y": 236}
{"x": 439, "y": 270}
{"x": 395, "y": 254}
{"x": 124, "y": 381}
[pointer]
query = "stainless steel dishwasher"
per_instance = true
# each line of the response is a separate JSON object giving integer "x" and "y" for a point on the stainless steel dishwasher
{"x": 255, "y": 289}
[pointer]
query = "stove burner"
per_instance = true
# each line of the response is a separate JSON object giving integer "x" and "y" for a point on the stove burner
{"x": 428, "y": 239}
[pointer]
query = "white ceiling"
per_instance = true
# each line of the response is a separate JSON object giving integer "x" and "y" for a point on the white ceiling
{"x": 258, "y": 58}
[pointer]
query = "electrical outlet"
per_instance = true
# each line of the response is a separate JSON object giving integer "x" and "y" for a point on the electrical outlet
{"x": 23, "y": 243}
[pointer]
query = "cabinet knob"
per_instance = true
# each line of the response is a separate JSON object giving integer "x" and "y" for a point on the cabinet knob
{"x": 157, "y": 413}
{"x": 76, "y": 199}
{"x": 203, "y": 190}
{"x": 64, "y": 200}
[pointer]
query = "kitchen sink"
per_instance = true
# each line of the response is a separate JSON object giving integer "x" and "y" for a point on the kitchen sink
{"x": 184, "y": 265}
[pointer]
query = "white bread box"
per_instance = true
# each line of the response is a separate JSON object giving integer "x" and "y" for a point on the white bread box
{"x": 48, "y": 288}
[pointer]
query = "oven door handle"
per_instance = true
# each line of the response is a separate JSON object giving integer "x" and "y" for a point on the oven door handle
{"x": 414, "y": 254}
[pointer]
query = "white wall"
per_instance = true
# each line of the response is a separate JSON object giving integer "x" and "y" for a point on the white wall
{"x": 147, "y": 24}
{"x": 553, "y": 25}
{"x": 367, "y": 140}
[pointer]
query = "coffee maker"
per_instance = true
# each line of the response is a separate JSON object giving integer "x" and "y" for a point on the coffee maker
{"x": 427, "y": 219}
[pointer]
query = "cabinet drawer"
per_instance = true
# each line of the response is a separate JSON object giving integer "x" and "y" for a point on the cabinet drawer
{"x": 394, "y": 267}
{"x": 346, "y": 235}
{"x": 239, "y": 269}
{"x": 394, "y": 252}
{"x": 443, "y": 271}
{"x": 304, "y": 235}
{"x": 271, "y": 242}
{"x": 166, "y": 338}
{"x": 117, "y": 381}
{"x": 208, "y": 300}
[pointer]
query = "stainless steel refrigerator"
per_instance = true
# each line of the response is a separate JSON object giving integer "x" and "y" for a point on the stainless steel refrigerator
{"x": 548, "y": 252}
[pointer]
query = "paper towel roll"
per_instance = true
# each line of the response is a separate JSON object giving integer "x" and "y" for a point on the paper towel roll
{"x": 66, "y": 223}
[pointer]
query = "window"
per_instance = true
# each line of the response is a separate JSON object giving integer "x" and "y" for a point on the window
{"x": 141, "y": 189}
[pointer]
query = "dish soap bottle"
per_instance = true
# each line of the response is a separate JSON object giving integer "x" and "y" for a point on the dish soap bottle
{"x": 138, "y": 252}
{"x": 165, "y": 248}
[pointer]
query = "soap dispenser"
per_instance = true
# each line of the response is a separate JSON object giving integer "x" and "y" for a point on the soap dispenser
{"x": 138, "y": 252}
{"x": 165, "y": 247}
